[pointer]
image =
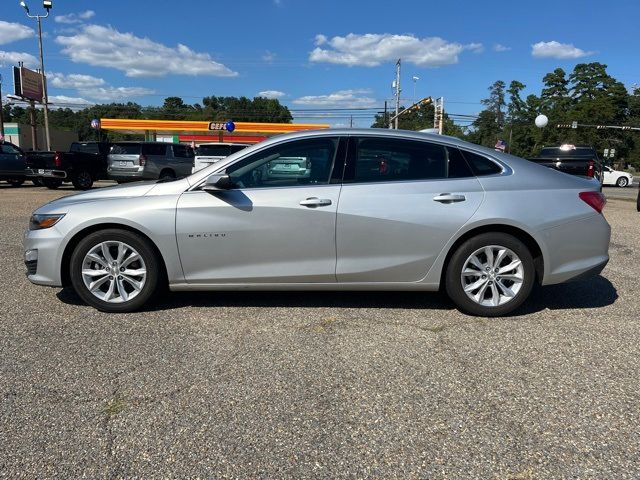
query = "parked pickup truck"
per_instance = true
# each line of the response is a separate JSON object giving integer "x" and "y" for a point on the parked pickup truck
{"x": 84, "y": 163}
{"x": 579, "y": 160}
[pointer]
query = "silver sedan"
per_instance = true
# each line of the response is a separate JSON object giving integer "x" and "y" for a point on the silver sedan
{"x": 330, "y": 210}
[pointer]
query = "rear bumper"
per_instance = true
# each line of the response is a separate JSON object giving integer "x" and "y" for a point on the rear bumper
{"x": 45, "y": 173}
{"x": 576, "y": 250}
{"x": 130, "y": 175}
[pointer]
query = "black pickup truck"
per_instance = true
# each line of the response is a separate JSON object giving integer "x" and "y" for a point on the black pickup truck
{"x": 84, "y": 163}
{"x": 572, "y": 159}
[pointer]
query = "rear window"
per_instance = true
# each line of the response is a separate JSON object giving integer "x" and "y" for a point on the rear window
{"x": 552, "y": 152}
{"x": 481, "y": 165}
{"x": 182, "y": 151}
{"x": 126, "y": 149}
{"x": 213, "y": 150}
{"x": 85, "y": 147}
{"x": 237, "y": 148}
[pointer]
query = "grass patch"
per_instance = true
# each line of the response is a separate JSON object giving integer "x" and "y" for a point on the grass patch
{"x": 114, "y": 406}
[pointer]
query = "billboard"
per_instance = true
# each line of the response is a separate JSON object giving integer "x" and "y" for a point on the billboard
{"x": 27, "y": 84}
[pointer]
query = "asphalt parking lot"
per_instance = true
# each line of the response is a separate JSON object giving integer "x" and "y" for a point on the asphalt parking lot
{"x": 320, "y": 385}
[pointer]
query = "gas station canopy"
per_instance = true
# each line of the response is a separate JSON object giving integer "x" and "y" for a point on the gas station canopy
{"x": 185, "y": 130}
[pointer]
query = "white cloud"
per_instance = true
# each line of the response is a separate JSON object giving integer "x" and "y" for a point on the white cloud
{"x": 74, "y": 103}
{"x": 12, "y": 32}
{"x": 12, "y": 58}
{"x": 500, "y": 48}
{"x": 75, "y": 17}
{"x": 73, "y": 80}
{"x": 341, "y": 98}
{"x": 268, "y": 56}
{"x": 138, "y": 57}
{"x": 110, "y": 94}
{"x": 475, "y": 47}
{"x": 271, "y": 94}
{"x": 373, "y": 49}
{"x": 553, "y": 49}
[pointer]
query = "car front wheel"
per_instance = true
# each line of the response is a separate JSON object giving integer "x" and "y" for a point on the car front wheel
{"x": 115, "y": 270}
{"x": 622, "y": 182}
{"x": 490, "y": 275}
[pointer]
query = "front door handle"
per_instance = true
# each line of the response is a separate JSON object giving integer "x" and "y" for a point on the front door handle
{"x": 313, "y": 202}
{"x": 449, "y": 198}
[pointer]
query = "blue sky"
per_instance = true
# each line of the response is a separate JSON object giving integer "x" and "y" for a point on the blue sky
{"x": 315, "y": 55}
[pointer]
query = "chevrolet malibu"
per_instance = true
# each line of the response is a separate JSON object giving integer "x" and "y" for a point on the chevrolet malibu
{"x": 357, "y": 210}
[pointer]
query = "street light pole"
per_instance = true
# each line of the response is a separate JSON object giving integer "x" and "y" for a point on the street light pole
{"x": 47, "y": 5}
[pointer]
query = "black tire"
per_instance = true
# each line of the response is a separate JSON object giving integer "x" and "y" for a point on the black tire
{"x": 145, "y": 250}
{"x": 82, "y": 180}
{"x": 51, "y": 183}
{"x": 167, "y": 175}
{"x": 453, "y": 281}
{"x": 16, "y": 183}
{"x": 622, "y": 182}
{"x": 37, "y": 181}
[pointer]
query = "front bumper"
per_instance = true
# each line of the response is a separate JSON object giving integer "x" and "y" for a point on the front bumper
{"x": 45, "y": 270}
{"x": 45, "y": 173}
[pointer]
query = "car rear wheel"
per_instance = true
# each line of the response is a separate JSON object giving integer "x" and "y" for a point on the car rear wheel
{"x": 490, "y": 275}
{"x": 16, "y": 183}
{"x": 622, "y": 182}
{"x": 115, "y": 270}
{"x": 51, "y": 183}
{"x": 82, "y": 180}
{"x": 167, "y": 175}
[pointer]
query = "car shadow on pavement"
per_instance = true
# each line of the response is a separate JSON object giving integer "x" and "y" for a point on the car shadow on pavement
{"x": 597, "y": 292}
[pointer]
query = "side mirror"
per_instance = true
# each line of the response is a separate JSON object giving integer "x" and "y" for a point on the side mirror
{"x": 218, "y": 182}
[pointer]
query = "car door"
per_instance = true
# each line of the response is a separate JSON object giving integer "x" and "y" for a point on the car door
{"x": 276, "y": 226}
{"x": 183, "y": 158}
{"x": 11, "y": 160}
{"x": 401, "y": 202}
{"x": 609, "y": 176}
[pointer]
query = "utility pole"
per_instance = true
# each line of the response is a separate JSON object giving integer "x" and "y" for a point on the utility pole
{"x": 32, "y": 119}
{"x": 48, "y": 4}
{"x": 438, "y": 115}
{"x": 385, "y": 114}
{"x": 398, "y": 90}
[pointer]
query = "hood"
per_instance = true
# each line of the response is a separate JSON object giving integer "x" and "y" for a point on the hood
{"x": 137, "y": 189}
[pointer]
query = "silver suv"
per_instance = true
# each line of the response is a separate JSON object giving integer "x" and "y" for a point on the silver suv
{"x": 130, "y": 161}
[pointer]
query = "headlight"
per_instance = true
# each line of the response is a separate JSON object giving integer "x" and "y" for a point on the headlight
{"x": 38, "y": 222}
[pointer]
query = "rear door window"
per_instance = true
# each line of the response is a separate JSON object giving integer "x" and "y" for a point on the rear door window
{"x": 392, "y": 159}
{"x": 182, "y": 151}
{"x": 157, "y": 149}
{"x": 480, "y": 165}
{"x": 126, "y": 149}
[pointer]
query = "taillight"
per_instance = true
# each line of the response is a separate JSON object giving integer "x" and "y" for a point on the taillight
{"x": 143, "y": 160}
{"x": 57, "y": 159}
{"x": 591, "y": 169}
{"x": 595, "y": 200}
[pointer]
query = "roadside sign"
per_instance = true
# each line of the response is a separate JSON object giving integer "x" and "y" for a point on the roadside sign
{"x": 606, "y": 153}
{"x": 612, "y": 152}
{"x": 574, "y": 124}
{"x": 27, "y": 84}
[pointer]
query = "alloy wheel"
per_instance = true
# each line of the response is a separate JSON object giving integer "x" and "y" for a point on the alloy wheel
{"x": 114, "y": 272}
{"x": 492, "y": 276}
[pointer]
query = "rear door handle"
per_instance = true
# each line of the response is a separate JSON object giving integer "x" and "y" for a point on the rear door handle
{"x": 449, "y": 198}
{"x": 315, "y": 202}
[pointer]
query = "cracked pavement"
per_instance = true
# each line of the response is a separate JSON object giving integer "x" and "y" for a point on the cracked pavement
{"x": 320, "y": 385}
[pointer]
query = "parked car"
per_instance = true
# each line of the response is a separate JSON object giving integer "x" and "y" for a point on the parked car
{"x": 616, "y": 177}
{"x": 209, "y": 153}
{"x": 12, "y": 164}
{"x": 83, "y": 164}
{"x": 579, "y": 160}
{"x": 130, "y": 161}
{"x": 482, "y": 225}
